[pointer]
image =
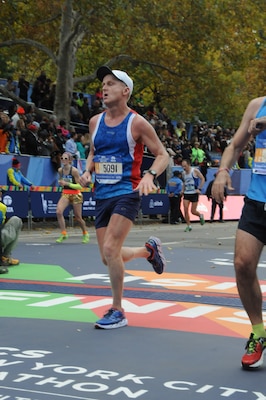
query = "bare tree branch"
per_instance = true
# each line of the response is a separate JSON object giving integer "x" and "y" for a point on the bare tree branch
{"x": 114, "y": 60}
{"x": 33, "y": 43}
{"x": 47, "y": 20}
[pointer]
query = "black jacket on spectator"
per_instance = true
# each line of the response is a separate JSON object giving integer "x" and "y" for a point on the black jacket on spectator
{"x": 31, "y": 143}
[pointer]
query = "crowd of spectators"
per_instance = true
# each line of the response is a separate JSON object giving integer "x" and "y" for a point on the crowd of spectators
{"x": 23, "y": 132}
{"x": 201, "y": 142}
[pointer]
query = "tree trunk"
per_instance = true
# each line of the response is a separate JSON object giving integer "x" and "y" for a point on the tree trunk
{"x": 66, "y": 64}
{"x": 71, "y": 36}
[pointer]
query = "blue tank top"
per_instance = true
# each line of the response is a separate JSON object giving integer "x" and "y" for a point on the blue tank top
{"x": 117, "y": 158}
{"x": 257, "y": 188}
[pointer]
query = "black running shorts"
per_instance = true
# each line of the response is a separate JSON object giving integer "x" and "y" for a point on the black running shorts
{"x": 194, "y": 197}
{"x": 253, "y": 219}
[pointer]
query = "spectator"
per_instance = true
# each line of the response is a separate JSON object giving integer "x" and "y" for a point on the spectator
{"x": 85, "y": 110}
{"x": 223, "y": 143}
{"x": 21, "y": 128}
{"x": 9, "y": 233}
{"x": 10, "y": 85}
{"x": 85, "y": 139}
{"x": 45, "y": 99}
{"x": 56, "y": 153}
{"x": 29, "y": 114}
{"x": 36, "y": 92}
{"x": 186, "y": 151}
{"x": 80, "y": 100}
{"x": 13, "y": 115}
{"x": 80, "y": 148}
{"x": 99, "y": 95}
{"x": 208, "y": 140}
{"x": 13, "y": 141}
{"x": 5, "y": 132}
{"x": 15, "y": 176}
{"x": 23, "y": 87}
{"x": 247, "y": 155}
{"x": 13, "y": 145}
{"x": 64, "y": 130}
{"x": 45, "y": 145}
{"x": 75, "y": 114}
{"x": 96, "y": 108}
{"x": 71, "y": 145}
{"x": 40, "y": 90}
{"x": 198, "y": 158}
{"x": 44, "y": 88}
{"x": 174, "y": 191}
{"x": 52, "y": 124}
{"x": 59, "y": 141}
{"x": 198, "y": 155}
{"x": 214, "y": 202}
{"x": 31, "y": 140}
{"x": 52, "y": 96}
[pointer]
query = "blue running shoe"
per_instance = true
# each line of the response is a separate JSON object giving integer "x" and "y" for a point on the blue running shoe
{"x": 157, "y": 259}
{"x": 111, "y": 320}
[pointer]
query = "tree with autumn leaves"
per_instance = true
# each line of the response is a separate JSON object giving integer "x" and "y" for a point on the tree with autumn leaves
{"x": 205, "y": 57}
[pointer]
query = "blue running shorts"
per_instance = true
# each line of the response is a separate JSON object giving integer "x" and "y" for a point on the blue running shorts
{"x": 127, "y": 205}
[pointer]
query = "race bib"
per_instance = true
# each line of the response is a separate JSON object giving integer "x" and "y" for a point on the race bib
{"x": 259, "y": 164}
{"x": 108, "y": 169}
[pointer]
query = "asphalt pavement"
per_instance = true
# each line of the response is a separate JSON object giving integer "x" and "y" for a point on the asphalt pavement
{"x": 187, "y": 328}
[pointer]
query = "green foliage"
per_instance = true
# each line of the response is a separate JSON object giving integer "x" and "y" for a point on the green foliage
{"x": 205, "y": 57}
{"x": 5, "y": 68}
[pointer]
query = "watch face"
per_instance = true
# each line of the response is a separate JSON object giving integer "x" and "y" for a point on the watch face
{"x": 152, "y": 172}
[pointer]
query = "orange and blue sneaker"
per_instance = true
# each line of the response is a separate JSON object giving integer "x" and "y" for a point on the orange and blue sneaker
{"x": 253, "y": 358}
{"x": 156, "y": 258}
{"x": 111, "y": 320}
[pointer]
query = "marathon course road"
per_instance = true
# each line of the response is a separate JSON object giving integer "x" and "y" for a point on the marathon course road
{"x": 187, "y": 329}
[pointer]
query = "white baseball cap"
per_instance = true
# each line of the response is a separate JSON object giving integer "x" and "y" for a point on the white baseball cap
{"x": 120, "y": 75}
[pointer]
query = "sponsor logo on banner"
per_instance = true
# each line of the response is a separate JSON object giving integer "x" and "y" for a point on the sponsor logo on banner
{"x": 89, "y": 205}
{"x": 153, "y": 203}
{"x": 7, "y": 200}
{"x": 48, "y": 205}
{"x": 17, "y": 203}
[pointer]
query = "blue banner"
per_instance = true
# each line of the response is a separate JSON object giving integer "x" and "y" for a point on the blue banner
{"x": 43, "y": 204}
{"x": 17, "y": 203}
{"x": 89, "y": 203}
{"x": 155, "y": 204}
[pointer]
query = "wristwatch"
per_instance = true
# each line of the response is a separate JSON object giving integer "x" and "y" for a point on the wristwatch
{"x": 152, "y": 172}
